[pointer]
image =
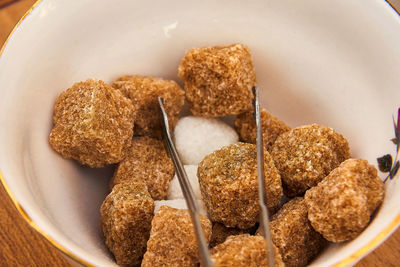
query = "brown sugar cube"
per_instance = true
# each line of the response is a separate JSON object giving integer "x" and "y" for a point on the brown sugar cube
{"x": 243, "y": 250}
{"x": 92, "y": 124}
{"x": 305, "y": 155}
{"x": 126, "y": 216}
{"x": 220, "y": 232}
{"x": 144, "y": 92}
{"x": 272, "y": 127}
{"x": 146, "y": 161}
{"x": 172, "y": 239}
{"x": 292, "y": 233}
{"x": 228, "y": 184}
{"x": 341, "y": 205}
{"x": 218, "y": 80}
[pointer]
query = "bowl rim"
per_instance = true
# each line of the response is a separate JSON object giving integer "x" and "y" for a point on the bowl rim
{"x": 351, "y": 259}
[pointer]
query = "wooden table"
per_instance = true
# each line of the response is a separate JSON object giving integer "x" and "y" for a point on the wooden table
{"x": 20, "y": 245}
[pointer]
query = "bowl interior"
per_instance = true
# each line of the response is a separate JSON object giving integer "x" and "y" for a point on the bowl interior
{"x": 335, "y": 64}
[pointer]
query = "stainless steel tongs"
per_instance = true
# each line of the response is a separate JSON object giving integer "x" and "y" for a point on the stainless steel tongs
{"x": 264, "y": 221}
{"x": 191, "y": 200}
{"x": 187, "y": 190}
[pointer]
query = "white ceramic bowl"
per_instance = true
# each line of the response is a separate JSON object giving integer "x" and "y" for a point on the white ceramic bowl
{"x": 335, "y": 63}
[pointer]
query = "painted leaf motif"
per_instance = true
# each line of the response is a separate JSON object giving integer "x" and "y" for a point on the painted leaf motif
{"x": 398, "y": 123}
{"x": 395, "y": 141}
{"x": 397, "y": 131}
{"x": 393, "y": 172}
{"x": 385, "y": 163}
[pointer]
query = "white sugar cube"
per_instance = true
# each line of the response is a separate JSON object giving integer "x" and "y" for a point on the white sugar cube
{"x": 196, "y": 137}
{"x": 174, "y": 190}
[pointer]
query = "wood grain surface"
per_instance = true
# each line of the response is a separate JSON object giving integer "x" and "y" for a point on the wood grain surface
{"x": 20, "y": 245}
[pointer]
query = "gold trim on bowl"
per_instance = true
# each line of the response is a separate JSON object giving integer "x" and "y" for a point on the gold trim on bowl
{"x": 392, "y": 6}
{"x": 20, "y": 209}
{"x": 28, "y": 219}
{"x": 352, "y": 259}
{"x": 19, "y": 22}
{"x": 356, "y": 256}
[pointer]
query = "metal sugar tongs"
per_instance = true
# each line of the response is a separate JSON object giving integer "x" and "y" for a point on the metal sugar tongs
{"x": 187, "y": 190}
{"x": 264, "y": 221}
